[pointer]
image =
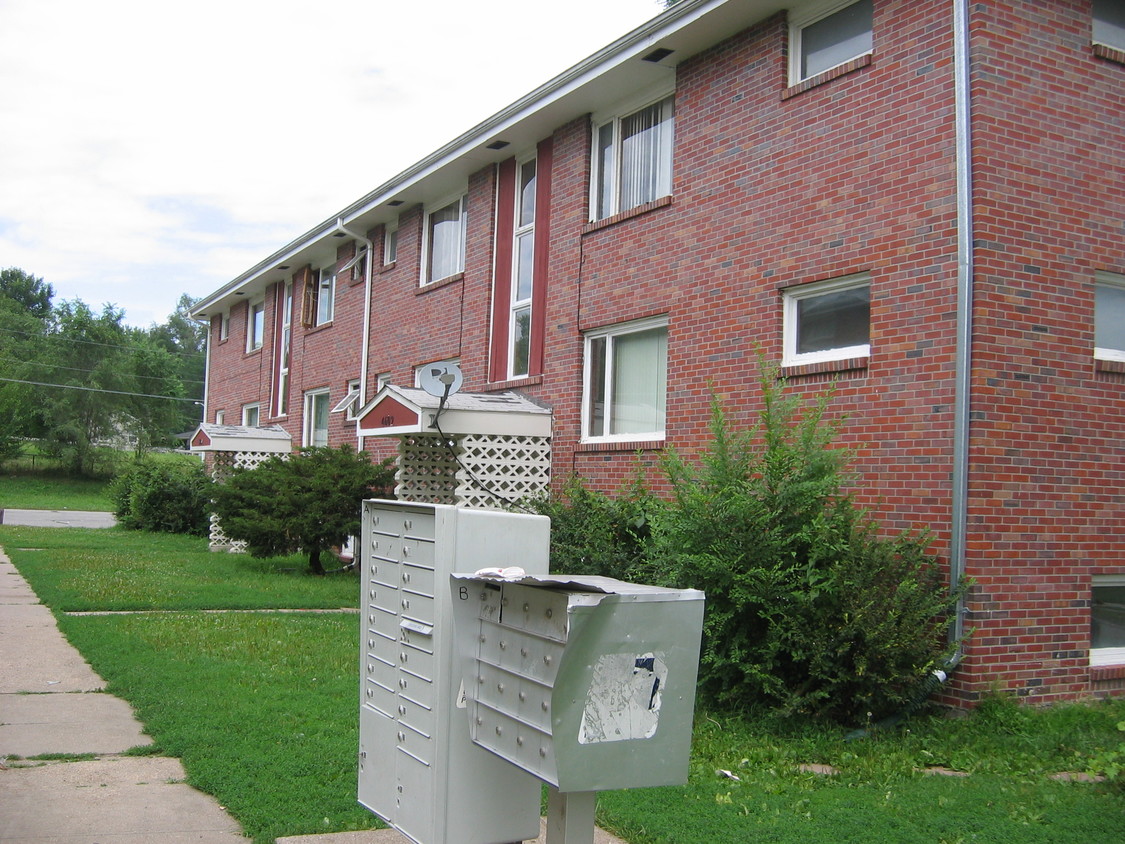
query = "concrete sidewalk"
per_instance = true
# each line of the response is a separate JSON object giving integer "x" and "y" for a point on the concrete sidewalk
{"x": 51, "y": 702}
{"x": 57, "y": 518}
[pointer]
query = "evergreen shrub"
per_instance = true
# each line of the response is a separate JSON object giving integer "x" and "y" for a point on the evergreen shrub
{"x": 163, "y": 497}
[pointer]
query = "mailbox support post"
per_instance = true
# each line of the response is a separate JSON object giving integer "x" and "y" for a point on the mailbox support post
{"x": 570, "y": 816}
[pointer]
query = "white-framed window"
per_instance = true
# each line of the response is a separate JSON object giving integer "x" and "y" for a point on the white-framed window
{"x": 255, "y": 325}
{"x": 1109, "y": 23}
{"x": 827, "y": 321}
{"x": 326, "y": 295}
{"x": 390, "y": 243}
{"x": 348, "y": 404}
{"x": 1107, "y": 620}
{"x": 632, "y": 158}
{"x": 224, "y": 326}
{"x": 285, "y": 344}
{"x": 315, "y": 428}
{"x": 523, "y": 271}
{"x": 220, "y": 417}
{"x": 444, "y": 247}
{"x": 625, "y": 382}
{"x": 357, "y": 264}
{"x": 828, "y": 34}
{"x": 1109, "y": 317}
{"x": 252, "y": 415}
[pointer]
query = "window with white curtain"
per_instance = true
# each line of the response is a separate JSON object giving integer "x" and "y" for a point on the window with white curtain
{"x": 445, "y": 241}
{"x": 626, "y": 382}
{"x": 632, "y": 159}
{"x": 252, "y": 415}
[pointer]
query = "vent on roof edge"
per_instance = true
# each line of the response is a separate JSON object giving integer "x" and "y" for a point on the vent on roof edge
{"x": 659, "y": 54}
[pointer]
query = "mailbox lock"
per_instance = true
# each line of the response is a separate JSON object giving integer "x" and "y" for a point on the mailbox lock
{"x": 401, "y": 736}
{"x": 402, "y": 656}
{"x": 503, "y": 645}
{"x": 523, "y": 696}
{"x": 547, "y": 659}
{"x": 499, "y": 730}
{"x": 523, "y": 652}
{"x": 550, "y": 612}
{"x": 527, "y": 607}
{"x": 500, "y": 688}
{"x": 519, "y": 740}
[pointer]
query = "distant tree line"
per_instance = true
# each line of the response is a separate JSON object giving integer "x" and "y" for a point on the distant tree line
{"x": 72, "y": 378}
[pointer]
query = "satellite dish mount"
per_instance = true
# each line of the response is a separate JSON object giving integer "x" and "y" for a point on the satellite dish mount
{"x": 441, "y": 380}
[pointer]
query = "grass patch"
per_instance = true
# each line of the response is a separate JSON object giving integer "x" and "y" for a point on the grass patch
{"x": 114, "y": 569}
{"x": 39, "y": 491}
{"x": 262, "y": 707}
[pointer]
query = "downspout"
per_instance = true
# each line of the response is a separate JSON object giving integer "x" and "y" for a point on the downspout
{"x": 962, "y": 388}
{"x": 366, "y": 343}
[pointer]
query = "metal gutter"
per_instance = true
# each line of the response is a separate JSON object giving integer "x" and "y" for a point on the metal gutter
{"x": 366, "y": 342}
{"x": 962, "y": 388}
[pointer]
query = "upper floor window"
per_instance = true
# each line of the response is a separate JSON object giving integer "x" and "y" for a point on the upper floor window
{"x": 523, "y": 264}
{"x": 827, "y": 321}
{"x": 224, "y": 326}
{"x": 445, "y": 241}
{"x": 255, "y": 326}
{"x": 632, "y": 159}
{"x": 1109, "y": 23}
{"x": 626, "y": 382}
{"x": 326, "y": 295}
{"x": 220, "y": 417}
{"x": 827, "y": 35}
{"x": 390, "y": 243}
{"x": 1109, "y": 317}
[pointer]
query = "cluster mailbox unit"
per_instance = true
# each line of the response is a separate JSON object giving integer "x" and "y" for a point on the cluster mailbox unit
{"x": 478, "y": 687}
{"x": 586, "y": 682}
{"x": 418, "y": 768}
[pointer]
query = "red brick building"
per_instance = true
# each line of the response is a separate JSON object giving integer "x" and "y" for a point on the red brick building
{"x": 922, "y": 200}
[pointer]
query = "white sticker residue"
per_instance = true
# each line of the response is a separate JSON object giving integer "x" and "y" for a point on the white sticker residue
{"x": 623, "y": 701}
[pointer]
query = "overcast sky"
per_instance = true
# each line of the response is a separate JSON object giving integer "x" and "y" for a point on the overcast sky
{"x": 149, "y": 149}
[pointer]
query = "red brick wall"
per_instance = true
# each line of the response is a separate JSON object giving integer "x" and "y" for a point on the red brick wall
{"x": 1048, "y": 462}
{"x": 775, "y": 188}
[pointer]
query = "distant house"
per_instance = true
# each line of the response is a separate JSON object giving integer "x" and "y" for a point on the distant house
{"x": 921, "y": 200}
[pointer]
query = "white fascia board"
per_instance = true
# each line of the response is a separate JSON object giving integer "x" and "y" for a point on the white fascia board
{"x": 688, "y": 27}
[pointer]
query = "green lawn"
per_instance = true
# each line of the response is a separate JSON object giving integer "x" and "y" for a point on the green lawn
{"x": 262, "y": 708}
{"x": 47, "y": 492}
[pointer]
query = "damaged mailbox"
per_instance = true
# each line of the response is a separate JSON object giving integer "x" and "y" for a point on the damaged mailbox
{"x": 586, "y": 682}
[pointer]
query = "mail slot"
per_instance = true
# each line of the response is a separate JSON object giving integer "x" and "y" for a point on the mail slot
{"x": 586, "y": 682}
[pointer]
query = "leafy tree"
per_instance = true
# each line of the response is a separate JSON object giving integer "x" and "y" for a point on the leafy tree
{"x": 308, "y": 501}
{"x": 185, "y": 340}
{"x": 31, "y": 293}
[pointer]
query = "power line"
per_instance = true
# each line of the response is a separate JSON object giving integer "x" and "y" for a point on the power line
{"x": 96, "y": 390}
{"x": 91, "y": 371}
{"x": 123, "y": 347}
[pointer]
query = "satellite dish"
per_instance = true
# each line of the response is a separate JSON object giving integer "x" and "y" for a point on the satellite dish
{"x": 440, "y": 379}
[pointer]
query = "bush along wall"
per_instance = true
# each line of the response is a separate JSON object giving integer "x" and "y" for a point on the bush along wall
{"x": 811, "y": 609}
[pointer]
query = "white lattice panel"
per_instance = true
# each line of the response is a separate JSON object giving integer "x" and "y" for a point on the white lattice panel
{"x": 222, "y": 464}
{"x": 474, "y": 470}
